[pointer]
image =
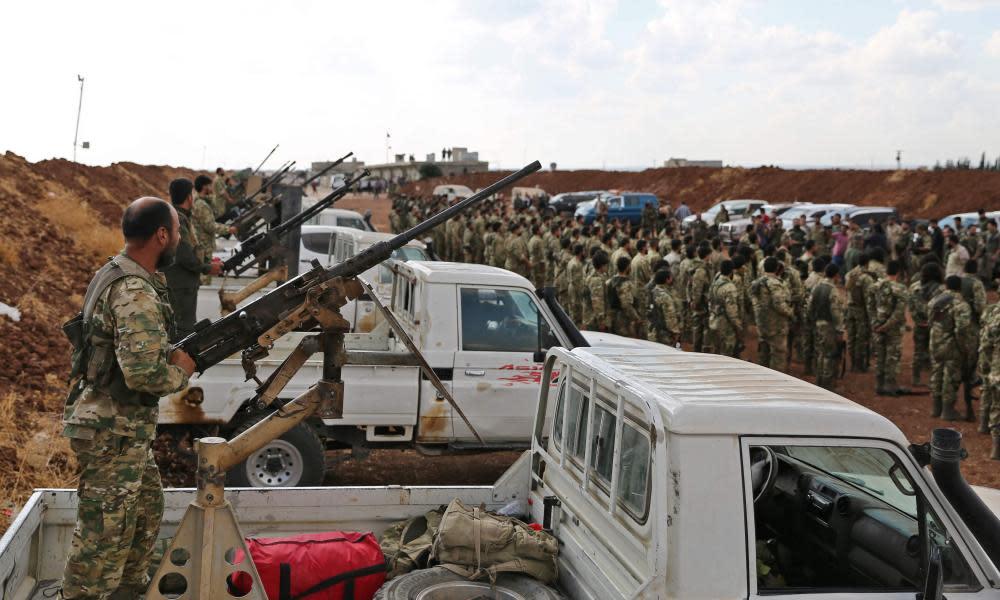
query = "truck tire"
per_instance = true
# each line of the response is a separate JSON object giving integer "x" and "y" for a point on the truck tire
{"x": 439, "y": 583}
{"x": 296, "y": 459}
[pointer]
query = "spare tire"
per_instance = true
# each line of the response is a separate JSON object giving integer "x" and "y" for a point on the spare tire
{"x": 439, "y": 583}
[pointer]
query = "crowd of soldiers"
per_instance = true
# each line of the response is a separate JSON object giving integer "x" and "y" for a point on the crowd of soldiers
{"x": 824, "y": 295}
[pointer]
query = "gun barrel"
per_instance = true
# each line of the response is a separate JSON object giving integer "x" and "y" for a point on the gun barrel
{"x": 332, "y": 165}
{"x": 265, "y": 159}
{"x": 320, "y": 205}
{"x": 269, "y": 182}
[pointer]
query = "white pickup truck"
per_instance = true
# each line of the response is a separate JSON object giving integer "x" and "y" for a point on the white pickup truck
{"x": 662, "y": 474}
{"x": 484, "y": 330}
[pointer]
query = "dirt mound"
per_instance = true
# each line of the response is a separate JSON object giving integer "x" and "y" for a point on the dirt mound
{"x": 917, "y": 193}
{"x": 61, "y": 222}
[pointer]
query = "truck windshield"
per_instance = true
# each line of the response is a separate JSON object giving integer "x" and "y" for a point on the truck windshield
{"x": 498, "y": 320}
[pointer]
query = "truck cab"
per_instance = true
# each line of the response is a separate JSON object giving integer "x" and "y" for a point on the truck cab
{"x": 662, "y": 474}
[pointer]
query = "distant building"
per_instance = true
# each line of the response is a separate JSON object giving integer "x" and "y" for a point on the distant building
{"x": 456, "y": 161}
{"x": 346, "y": 168}
{"x": 683, "y": 162}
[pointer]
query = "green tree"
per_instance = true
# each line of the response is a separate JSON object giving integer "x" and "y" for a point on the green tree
{"x": 429, "y": 171}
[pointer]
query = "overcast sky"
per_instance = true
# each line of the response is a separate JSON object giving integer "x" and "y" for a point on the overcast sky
{"x": 582, "y": 84}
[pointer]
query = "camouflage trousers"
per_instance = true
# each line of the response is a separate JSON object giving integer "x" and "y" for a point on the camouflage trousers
{"x": 723, "y": 338}
{"x": 888, "y": 348}
{"x": 620, "y": 325}
{"x": 772, "y": 350}
{"x": 806, "y": 347}
{"x": 858, "y": 338}
{"x": 946, "y": 376}
{"x": 118, "y": 518}
{"x": 699, "y": 328}
{"x": 661, "y": 336}
{"x": 826, "y": 359}
{"x": 990, "y": 403}
{"x": 921, "y": 351}
{"x": 537, "y": 276}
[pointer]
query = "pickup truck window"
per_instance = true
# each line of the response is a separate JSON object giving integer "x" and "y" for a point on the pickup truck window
{"x": 575, "y": 420}
{"x": 499, "y": 320}
{"x": 633, "y": 481}
{"x": 835, "y": 518}
{"x": 318, "y": 242}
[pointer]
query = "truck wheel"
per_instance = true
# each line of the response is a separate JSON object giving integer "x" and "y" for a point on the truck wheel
{"x": 296, "y": 459}
{"x": 439, "y": 583}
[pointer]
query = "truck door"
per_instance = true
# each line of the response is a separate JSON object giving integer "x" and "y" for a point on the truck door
{"x": 496, "y": 379}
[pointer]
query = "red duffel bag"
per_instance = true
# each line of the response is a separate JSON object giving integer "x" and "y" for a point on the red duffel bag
{"x": 338, "y": 565}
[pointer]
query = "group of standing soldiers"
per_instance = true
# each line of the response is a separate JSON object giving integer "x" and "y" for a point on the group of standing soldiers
{"x": 820, "y": 293}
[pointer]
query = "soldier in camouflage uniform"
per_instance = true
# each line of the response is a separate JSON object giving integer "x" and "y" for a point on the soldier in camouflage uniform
{"x": 888, "y": 324}
{"x": 826, "y": 311}
{"x": 989, "y": 367}
{"x": 698, "y": 282}
{"x": 951, "y": 327}
{"x": 858, "y": 283}
{"x": 773, "y": 314}
{"x": 500, "y": 245}
{"x": 921, "y": 293}
{"x": 724, "y": 324}
{"x": 579, "y": 311}
{"x": 203, "y": 218}
{"x": 122, "y": 365}
{"x": 664, "y": 311}
{"x": 488, "y": 244}
{"x": 536, "y": 253}
{"x": 220, "y": 195}
{"x": 184, "y": 275}
{"x": 517, "y": 251}
{"x": 597, "y": 317}
{"x": 621, "y": 300}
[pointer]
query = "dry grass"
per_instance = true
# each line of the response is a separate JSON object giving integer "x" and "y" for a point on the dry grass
{"x": 79, "y": 221}
{"x": 9, "y": 256}
{"x": 32, "y": 455}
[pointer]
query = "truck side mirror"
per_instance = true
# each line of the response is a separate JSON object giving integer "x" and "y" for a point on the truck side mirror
{"x": 935, "y": 577}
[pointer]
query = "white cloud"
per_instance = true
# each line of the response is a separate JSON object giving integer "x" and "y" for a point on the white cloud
{"x": 966, "y": 5}
{"x": 992, "y": 45}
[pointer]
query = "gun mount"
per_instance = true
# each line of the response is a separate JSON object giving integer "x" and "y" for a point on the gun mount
{"x": 209, "y": 536}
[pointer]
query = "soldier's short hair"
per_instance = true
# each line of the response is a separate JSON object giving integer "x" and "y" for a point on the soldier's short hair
{"x": 641, "y": 244}
{"x": 832, "y": 270}
{"x": 810, "y": 244}
{"x": 201, "y": 181}
{"x": 818, "y": 264}
{"x": 771, "y": 265}
{"x": 726, "y": 267}
{"x": 892, "y": 268}
{"x": 623, "y": 263}
{"x": 954, "y": 283}
{"x": 690, "y": 251}
{"x": 600, "y": 258}
{"x": 180, "y": 189}
{"x": 607, "y": 236}
{"x": 704, "y": 251}
{"x": 659, "y": 264}
{"x": 972, "y": 266}
{"x": 739, "y": 261}
{"x": 143, "y": 219}
{"x": 675, "y": 244}
{"x": 930, "y": 272}
{"x": 661, "y": 276}
{"x": 864, "y": 259}
{"x": 577, "y": 249}
{"x": 565, "y": 242}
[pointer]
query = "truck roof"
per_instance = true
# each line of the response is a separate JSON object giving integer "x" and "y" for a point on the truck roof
{"x": 710, "y": 394}
{"x": 452, "y": 272}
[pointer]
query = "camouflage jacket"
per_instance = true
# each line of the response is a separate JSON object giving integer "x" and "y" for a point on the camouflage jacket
{"x": 665, "y": 314}
{"x": 132, "y": 319}
{"x": 826, "y": 304}
{"x": 772, "y": 305}
{"x": 989, "y": 345}
{"x": 951, "y": 325}
{"x": 189, "y": 263}
{"x": 598, "y": 317}
{"x": 889, "y": 307}
{"x": 918, "y": 298}
{"x": 205, "y": 227}
{"x": 697, "y": 284}
{"x": 724, "y": 304}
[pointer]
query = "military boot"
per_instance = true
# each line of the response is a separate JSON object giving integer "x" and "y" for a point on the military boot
{"x": 948, "y": 412}
{"x": 995, "y": 455}
{"x": 936, "y": 406}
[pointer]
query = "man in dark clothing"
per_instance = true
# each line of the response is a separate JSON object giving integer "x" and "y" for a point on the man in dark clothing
{"x": 184, "y": 275}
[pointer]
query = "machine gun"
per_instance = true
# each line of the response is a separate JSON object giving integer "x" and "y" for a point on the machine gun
{"x": 261, "y": 246}
{"x": 209, "y": 537}
{"x": 266, "y": 184}
{"x": 265, "y": 159}
{"x": 257, "y": 215}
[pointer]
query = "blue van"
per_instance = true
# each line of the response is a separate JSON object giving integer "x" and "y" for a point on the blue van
{"x": 624, "y": 207}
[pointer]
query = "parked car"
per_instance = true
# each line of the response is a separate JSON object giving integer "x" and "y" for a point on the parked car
{"x": 452, "y": 192}
{"x": 811, "y": 212}
{"x": 567, "y": 202}
{"x": 734, "y": 228}
{"x": 626, "y": 206}
{"x": 862, "y": 215}
{"x": 736, "y": 208}
{"x": 969, "y": 218}
{"x": 338, "y": 217}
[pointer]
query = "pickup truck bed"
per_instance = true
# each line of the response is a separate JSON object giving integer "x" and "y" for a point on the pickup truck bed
{"x": 33, "y": 550}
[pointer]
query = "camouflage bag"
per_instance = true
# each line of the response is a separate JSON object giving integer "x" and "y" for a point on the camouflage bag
{"x": 474, "y": 543}
{"x": 407, "y": 544}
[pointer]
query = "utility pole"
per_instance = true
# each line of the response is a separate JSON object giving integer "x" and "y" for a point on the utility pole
{"x": 79, "y": 108}
{"x": 899, "y": 159}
